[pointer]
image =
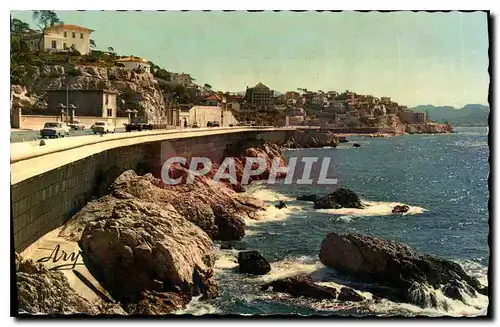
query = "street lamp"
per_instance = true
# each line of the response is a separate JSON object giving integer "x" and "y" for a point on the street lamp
{"x": 222, "y": 112}
{"x": 128, "y": 111}
{"x": 61, "y": 107}
{"x": 72, "y": 107}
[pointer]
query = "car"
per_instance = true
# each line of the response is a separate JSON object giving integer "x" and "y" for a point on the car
{"x": 195, "y": 125}
{"x": 243, "y": 124}
{"x": 54, "y": 129}
{"x": 76, "y": 125}
{"x": 213, "y": 124}
{"x": 102, "y": 127}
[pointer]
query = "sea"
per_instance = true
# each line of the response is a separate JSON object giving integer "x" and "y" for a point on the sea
{"x": 444, "y": 180}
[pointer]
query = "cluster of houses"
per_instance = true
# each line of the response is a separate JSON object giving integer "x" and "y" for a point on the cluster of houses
{"x": 328, "y": 107}
{"x": 335, "y": 109}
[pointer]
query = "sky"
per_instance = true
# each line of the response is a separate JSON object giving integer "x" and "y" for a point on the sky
{"x": 414, "y": 58}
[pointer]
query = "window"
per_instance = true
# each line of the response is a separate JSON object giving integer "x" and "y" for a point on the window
{"x": 81, "y": 35}
{"x": 73, "y": 46}
{"x": 106, "y": 98}
{"x": 74, "y": 35}
{"x": 65, "y": 46}
{"x": 54, "y": 44}
{"x": 65, "y": 34}
{"x": 110, "y": 112}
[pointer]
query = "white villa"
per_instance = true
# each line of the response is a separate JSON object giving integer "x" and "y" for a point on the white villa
{"x": 132, "y": 62}
{"x": 60, "y": 38}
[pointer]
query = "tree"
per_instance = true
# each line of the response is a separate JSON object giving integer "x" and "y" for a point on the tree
{"x": 110, "y": 49}
{"x": 17, "y": 29}
{"x": 92, "y": 44}
{"x": 45, "y": 19}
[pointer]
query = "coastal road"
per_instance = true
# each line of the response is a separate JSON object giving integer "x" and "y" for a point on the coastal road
{"x": 29, "y": 135}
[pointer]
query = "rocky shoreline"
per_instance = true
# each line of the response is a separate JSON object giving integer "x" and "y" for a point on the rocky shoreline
{"x": 151, "y": 247}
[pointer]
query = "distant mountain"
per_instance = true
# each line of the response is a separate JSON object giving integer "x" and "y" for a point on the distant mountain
{"x": 469, "y": 115}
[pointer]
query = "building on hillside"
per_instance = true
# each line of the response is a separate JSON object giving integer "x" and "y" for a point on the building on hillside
{"x": 385, "y": 100}
{"x": 96, "y": 103}
{"x": 411, "y": 117}
{"x": 182, "y": 79}
{"x": 259, "y": 96}
{"x": 213, "y": 100}
{"x": 203, "y": 114}
{"x": 132, "y": 63}
{"x": 59, "y": 38}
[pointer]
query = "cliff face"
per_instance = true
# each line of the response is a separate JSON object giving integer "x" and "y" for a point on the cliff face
{"x": 138, "y": 90}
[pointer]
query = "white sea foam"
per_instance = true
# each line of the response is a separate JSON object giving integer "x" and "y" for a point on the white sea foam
{"x": 267, "y": 195}
{"x": 198, "y": 308}
{"x": 372, "y": 208}
{"x": 226, "y": 260}
{"x": 292, "y": 267}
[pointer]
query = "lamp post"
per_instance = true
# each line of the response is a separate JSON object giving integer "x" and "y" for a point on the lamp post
{"x": 72, "y": 107}
{"x": 222, "y": 112}
{"x": 61, "y": 107}
{"x": 128, "y": 111}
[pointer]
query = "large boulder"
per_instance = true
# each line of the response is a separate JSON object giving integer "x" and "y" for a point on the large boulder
{"x": 252, "y": 262}
{"x": 301, "y": 285}
{"x": 406, "y": 273}
{"x": 43, "y": 291}
{"x": 142, "y": 247}
{"x": 215, "y": 208}
{"x": 340, "y": 198}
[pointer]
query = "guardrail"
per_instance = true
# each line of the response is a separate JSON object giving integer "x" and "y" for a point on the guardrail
{"x": 28, "y": 150}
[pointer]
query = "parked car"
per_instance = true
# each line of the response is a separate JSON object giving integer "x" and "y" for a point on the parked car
{"x": 195, "y": 125}
{"x": 213, "y": 124}
{"x": 76, "y": 125}
{"x": 102, "y": 127}
{"x": 54, "y": 129}
{"x": 243, "y": 124}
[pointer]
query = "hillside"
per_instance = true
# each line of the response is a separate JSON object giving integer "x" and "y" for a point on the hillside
{"x": 469, "y": 115}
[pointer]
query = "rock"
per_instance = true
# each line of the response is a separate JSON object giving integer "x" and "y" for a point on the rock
{"x": 356, "y": 145}
{"x": 226, "y": 246}
{"x": 400, "y": 209}
{"x": 197, "y": 212}
{"x": 301, "y": 285}
{"x": 252, "y": 262}
{"x": 230, "y": 226}
{"x": 340, "y": 198}
{"x": 141, "y": 246}
{"x": 310, "y": 198}
{"x": 311, "y": 139}
{"x": 158, "y": 303}
{"x": 280, "y": 205}
{"x": 41, "y": 291}
{"x": 395, "y": 265}
{"x": 348, "y": 294}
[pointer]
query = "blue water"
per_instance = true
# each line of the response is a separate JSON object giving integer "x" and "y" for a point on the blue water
{"x": 447, "y": 175}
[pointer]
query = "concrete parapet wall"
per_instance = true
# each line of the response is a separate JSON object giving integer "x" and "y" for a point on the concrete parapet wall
{"x": 46, "y": 190}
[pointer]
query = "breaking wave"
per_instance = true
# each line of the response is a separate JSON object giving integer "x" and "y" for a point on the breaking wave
{"x": 372, "y": 208}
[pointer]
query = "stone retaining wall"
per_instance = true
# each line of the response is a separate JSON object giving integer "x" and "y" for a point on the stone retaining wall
{"x": 44, "y": 202}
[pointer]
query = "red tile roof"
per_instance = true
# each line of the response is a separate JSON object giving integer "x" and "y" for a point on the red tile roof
{"x": 76, "y": 27}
